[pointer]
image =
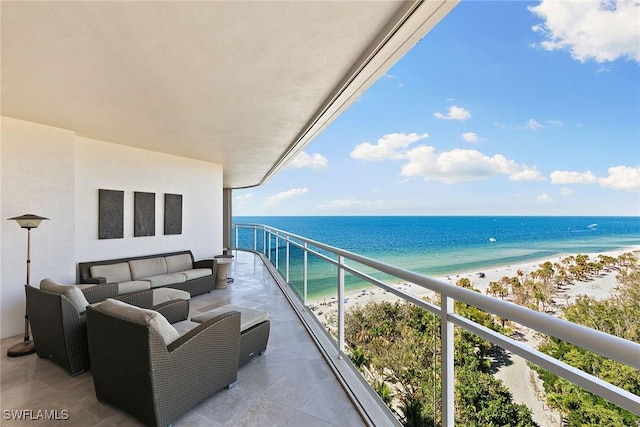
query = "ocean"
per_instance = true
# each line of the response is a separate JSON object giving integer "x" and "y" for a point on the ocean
{"x": 441, "y": 245}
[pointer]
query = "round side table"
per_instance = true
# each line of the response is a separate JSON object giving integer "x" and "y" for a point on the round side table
{"x": 223, "y": 269}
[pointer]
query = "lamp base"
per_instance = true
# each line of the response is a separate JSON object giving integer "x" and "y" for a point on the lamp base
{"x": 21, "y": 349}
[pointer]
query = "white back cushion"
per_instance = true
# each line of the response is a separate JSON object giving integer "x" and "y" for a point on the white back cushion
{"x": 72, "y": 292}
{"x": 147, "y": 267}
{"x": 150, "y": 318}
{"x": 114, "y": 273}
{"x": 178, "y": 263}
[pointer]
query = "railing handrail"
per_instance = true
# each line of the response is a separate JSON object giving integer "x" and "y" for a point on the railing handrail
{"x": 612, "y": 347}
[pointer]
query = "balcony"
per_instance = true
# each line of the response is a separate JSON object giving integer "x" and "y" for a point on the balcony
{"x": 305, "y": 376}
{"x": 289, "y": 385}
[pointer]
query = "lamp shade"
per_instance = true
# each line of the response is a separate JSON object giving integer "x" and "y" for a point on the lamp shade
{"x": 28, "y": 220}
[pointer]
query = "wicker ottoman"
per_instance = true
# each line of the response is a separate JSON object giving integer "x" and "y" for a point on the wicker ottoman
{"x": 254, "y": 329}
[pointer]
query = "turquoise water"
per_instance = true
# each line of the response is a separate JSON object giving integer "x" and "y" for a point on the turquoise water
{"x": 442, "y": 245}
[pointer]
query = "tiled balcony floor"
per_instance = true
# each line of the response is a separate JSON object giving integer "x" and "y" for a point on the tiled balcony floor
{"x": 289, "y": 385}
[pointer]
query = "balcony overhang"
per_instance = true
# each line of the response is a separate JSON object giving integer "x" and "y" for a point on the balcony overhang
{"x": 242, "y": 84}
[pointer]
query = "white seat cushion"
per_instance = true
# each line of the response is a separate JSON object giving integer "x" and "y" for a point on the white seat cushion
{"x": 143, "y": 316}
{"x": 176, "y": 263}
{"x": 185, "y": 326}
{"x": 248, "y": 316}
{"x": 114, "y": 273}
{"x": 147, "y": 267}
{"x": 161, "y": 295}
{"x": 166, "y": 279}
{"x": 133, "y": 286}
{"x": 72, "y": 292}
{"x": 197, "y": 273}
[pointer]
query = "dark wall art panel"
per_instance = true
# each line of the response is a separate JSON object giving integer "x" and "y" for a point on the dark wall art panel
{"x": 110, "y": 214}
{"x": 144, "y": 214}
{"x": 173, "y": 214}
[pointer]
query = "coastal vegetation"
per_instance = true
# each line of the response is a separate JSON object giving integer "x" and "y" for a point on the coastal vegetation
{"x": 396, "y": 346}
{"x": 618, "y": 315}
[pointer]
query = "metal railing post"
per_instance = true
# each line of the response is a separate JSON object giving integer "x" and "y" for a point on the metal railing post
{"x": 340, "y": 306}
{"x": 255, "y": 238}
{"x": 286, "y": 265}
{"x": 277, "y": 249}
{"x": 237, "y": 231}
{"x": 304, "y": 273}
{"x": 264, "y": 241}
{"x": 447, "y": 362}
{"x": 269, "y": 245}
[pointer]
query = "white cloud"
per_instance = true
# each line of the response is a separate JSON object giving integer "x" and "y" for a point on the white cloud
{"x": 455, "y": 113}
{"x": 600, "y": 30}
{"x": 314, "y": 161}
{"x": 527, "y": 174}
{"x": 242, "y": 198}
{"x": 461, "y": 165}
{"x": 566, "y": 177}
{"x": 544, "y": 198}
{"x": 555, "y": 123}
{"x": 471, "y": 137}
{"x": 622, "y": 178}
{"x": 284, "y": 195}
{"x": 532, "y": 124}
{"x": 391, "y": 146}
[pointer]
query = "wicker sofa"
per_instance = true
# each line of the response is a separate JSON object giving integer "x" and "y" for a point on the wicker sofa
{"x": 176, "y": 270}
{"x": 140, "y": 368}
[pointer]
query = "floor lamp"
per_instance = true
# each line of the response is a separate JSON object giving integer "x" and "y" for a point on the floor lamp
{"x": 27, "y": 221}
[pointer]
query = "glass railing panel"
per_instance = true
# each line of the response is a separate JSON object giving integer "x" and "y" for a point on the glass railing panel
{"x": 322, "y": 291}
{"x": 358, "y": 288}
{"x": 574, "y": 404}
{"x": 396, "y": 347}
{"x": 554, "y": 401}
{"x": 278, "y": 255}
{"x": 296, "y": 271}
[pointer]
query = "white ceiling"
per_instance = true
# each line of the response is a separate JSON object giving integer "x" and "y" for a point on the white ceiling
{"x": 246, "y": 84}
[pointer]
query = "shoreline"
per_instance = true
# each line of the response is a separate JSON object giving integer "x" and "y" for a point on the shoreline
{"x": 599, "y": 287}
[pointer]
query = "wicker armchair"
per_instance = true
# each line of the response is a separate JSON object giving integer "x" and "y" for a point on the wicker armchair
{"x": 135, "y": 370}
{"x": 59, "y": 330}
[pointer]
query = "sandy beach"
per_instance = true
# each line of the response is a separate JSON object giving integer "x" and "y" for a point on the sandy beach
{"x": 527, "y": 392}
{"x": 599, "y": 287}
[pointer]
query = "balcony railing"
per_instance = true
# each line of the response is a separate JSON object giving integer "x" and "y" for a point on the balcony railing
{"x": 277, "y": 246}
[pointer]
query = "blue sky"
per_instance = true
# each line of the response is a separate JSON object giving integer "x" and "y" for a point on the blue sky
{"x": 504, "y": 108}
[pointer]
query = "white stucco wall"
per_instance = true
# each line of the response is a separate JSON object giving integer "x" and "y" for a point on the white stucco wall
{"x": 56, "y": 174}
{"x": 117, "y": 167}
{"x": 37, "y": 168}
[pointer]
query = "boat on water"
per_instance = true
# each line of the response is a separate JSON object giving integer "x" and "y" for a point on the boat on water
{"x": 492, "y": 239}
